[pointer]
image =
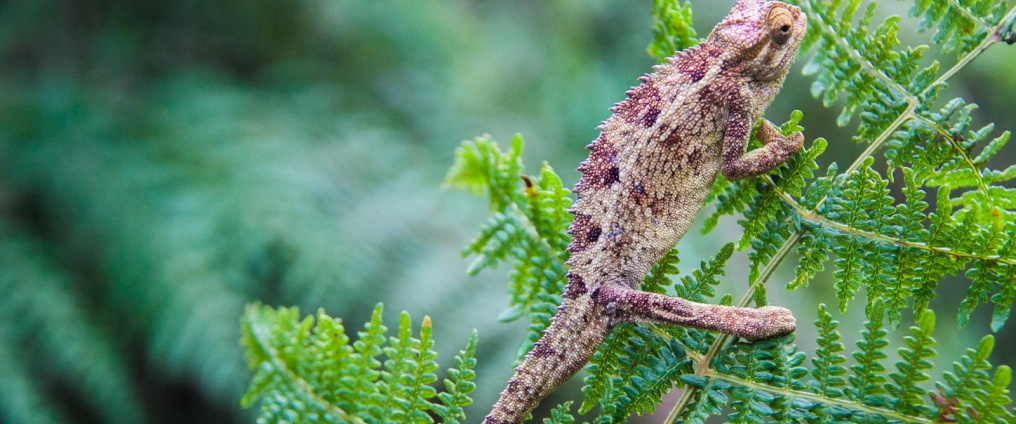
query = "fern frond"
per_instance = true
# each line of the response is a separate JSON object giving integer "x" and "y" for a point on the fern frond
{"x": 860, "y": 62}
{"x": 421, "y": 377}
{"x": 970, "y": 371}
{"x": 788, "y": 180}
{"x": 306, "y": 371}
{"x": 458, "y": 385}
{"x": 709, "y": 399}
{"x": 828, "y": 370}
{"x": 650, "y": 365}
{"x": 23, "y": 400}
{"x": 766, "y": 381}
{"x": 672, "y": 29}
{"x": 328, "y": 350}
{"x": 729, "y": 198}
{"x": 658, "y": 278}
{"x": 905, "y": 388}
{"x": 814, "y": 250}
{"x": 57, "y": 336}
{"x": 991, "y": 405}
{"x": 868, "y": 375}
{"x": 959, "y": 26}
{"x": 560, "y": 415}
{"x": 766, "y": 245}
{"x": 1004, "y": 273}
{"x": 603, "y": 367}
{"x": 482, "y": 168}
{"x": 272, "y": 339}
{"x": 699, "y": 286}
{"x": 907, "y": 265}
{"x": 982, "y": 272}
{"x": 390, "y": 403}
{"x": 358, "y": 377}
{"x": 527, "y": 227}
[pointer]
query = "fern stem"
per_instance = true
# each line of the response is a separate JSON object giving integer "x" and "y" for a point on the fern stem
{"x": 814, "y": 217}
{"x": 680, "y": 406}
{"x": 966, "y": 13}
{"x": 879, "y": 141}
{"x": 973, "y": 54}
{"x": 790, "y": 393}
{"x": 963, "y": 154}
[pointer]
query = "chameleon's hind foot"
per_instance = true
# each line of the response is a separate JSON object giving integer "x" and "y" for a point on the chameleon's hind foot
{"x": 628, "y": 305}
{"x": 769, "y": 321}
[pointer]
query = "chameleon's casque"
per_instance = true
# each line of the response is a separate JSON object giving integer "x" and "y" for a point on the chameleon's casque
{"x": 644, "y": 182}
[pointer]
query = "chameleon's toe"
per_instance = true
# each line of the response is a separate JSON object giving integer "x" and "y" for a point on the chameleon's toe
{"x": 776, "y": 321}
{"x": 794, "y": 143}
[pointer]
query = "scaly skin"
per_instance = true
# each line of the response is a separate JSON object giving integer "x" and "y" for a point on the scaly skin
{"x": 646, "y": 178}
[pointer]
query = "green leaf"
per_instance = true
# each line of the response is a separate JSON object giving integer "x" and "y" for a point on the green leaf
{"x": 459, "y": 385}
{"x": 560, "y": 415}
{"x": 672, "y": 28}
{"x": 306, "y": 371}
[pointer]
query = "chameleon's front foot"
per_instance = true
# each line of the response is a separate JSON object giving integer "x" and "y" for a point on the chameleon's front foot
{"x": 629, "y": 305}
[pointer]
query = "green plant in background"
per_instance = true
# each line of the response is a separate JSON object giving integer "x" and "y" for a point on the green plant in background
{"x": 52, "y": 312}
{"x": 894, "y": 249}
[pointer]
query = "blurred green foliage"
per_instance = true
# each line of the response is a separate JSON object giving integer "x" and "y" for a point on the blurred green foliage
{"x": 164, "y": 163}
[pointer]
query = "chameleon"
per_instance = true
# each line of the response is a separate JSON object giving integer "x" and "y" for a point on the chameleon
{"x": 646, "y": 178}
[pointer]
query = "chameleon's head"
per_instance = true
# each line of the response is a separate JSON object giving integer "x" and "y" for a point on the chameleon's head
{"x": 762, "y": 37}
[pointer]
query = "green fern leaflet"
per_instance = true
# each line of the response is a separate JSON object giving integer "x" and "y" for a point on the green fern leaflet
{"x": 308, "y": 372}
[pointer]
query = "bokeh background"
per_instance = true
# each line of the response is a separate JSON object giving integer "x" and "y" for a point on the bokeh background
{"x": 165, "y": 162}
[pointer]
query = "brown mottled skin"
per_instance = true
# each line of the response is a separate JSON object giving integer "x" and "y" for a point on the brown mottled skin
{"x": 646, "y": 178}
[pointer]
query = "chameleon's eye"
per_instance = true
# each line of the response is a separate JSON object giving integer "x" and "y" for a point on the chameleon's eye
{"x": 781, "y": 25}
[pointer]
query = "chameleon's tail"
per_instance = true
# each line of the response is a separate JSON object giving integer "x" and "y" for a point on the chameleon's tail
{"x": 569, "y": 342}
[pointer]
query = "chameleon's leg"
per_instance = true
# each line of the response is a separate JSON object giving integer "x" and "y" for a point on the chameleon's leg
{"x": 776, "y": 148}
{"x": 630, "y": 305}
